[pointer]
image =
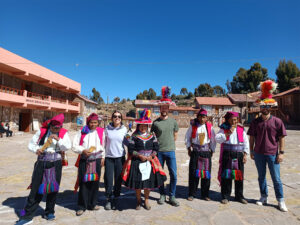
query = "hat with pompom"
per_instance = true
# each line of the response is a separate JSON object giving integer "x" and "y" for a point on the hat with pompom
{"x": 165, "y": 93}
{"x": 267, "y": 88}
{"x": 144, "y": 117}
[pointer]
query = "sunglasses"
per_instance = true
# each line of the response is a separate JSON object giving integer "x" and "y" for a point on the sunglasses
{"x": 265, "y": 106}
{"x": 116, "y": 117}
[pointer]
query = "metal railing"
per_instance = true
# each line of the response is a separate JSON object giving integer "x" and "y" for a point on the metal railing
{"x": 10, "y": 90}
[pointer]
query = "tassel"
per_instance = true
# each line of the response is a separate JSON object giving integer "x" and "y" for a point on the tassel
{"x": 90, "y": 177}
{"x": 41, "y": 189}
{"x": 22, "y": 213}
{"x": 233, "y": 174}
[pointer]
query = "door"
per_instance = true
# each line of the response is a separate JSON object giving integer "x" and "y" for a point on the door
{"x": 24, "y": 122}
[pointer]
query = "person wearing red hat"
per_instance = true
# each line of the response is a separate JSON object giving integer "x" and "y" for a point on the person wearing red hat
{"x": 267, "y": 134}
{"x": 48, "y": 144}
{"x": 142, "y": 169}
{"x": 166, "y": 130}
{"x": 89, "y": 144}
{"x": 200, "y": 142}
{"x": 233, "y": 155}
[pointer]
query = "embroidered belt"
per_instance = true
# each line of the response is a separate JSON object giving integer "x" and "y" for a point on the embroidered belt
{"x": 92, "y": 157}
{"x": 145, "y": 152}
{"x": 49, "y": 157}
{"x": 231, "y": 147}
{"x": 200, "y": 148}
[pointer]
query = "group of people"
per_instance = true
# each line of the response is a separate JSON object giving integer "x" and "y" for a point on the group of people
{"x": 5, "y": 129}
{"x": 148, "y": 150}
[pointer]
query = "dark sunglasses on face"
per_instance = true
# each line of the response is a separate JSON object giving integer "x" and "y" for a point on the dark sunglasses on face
{"x": 265, "y": 106}
{"x": 114, "y": 116}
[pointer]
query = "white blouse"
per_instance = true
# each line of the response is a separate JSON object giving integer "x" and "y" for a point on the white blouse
{"x": 200, "y": 129}
{"x": 91, "y": 139}
{"x": 233, "y": 139}
{"x": 62, "y": 145}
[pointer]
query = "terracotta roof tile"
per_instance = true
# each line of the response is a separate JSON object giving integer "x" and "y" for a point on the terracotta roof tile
{"x": 237, "y": 98}
{"x": 214, "y": 101}
{"x": 287, "y": 92}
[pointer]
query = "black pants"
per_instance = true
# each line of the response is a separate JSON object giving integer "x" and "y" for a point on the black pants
{"x": 193, "y": 180}
{"x": 88, "y": 191}
{"x": 226, "y": 184}
{"x": 34, "y": 197}
{"x": 113, "y": 169}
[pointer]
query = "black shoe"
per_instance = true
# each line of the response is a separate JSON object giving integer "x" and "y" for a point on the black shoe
{"x": 114, "y": 203}
{"x": 241, "y": 200}
{"x": 108, "y": 205}
{"x": 224, "y": 201}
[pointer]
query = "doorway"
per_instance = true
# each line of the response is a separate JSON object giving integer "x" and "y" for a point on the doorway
{"x": 24, "y": 122}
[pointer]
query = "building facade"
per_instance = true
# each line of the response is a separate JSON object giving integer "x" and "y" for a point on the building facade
{"x": 216, "y": 107}
{"x": 30, "y": 93}
{"x": 182, "y": 114}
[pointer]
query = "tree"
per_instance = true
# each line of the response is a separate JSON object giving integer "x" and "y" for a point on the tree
{"x": 128, "y": 100}
{"x": 218, "y": 90}
{"x": 285, "y": 72}
{"x": 123, "y": 101}
{"x": 196, "y": 92}
{"x": 151, "y": 94}
{"x": 204, "y": 90}
{"x": 247, "y": 80}
{"x": 190, "y": 95}
{"x": 116, "y": 99}
{"x": 131, "y": 113}
{"x": 173, "y": 97}
{"x": 96, "y": 97}
{"x": 147, "y": 94}
{"x": 183, "y": 91}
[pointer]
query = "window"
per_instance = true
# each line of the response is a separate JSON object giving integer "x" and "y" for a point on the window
{"x": 156, "y": 110}
{"x": 175, "y": 113}
{"x": 190, "y": 113}
{"x": 207, "y": 107}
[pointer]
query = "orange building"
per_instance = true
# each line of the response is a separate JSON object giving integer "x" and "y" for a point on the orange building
{"x": 30, "y": 93}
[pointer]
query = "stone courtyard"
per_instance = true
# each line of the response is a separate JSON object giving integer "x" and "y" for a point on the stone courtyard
{"x": 16, "y": 165}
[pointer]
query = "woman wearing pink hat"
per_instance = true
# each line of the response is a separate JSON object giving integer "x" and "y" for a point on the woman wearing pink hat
{"x": 89, "y": 144}
{"x": 142, "y": 169}
{"x": 48, "y": 144}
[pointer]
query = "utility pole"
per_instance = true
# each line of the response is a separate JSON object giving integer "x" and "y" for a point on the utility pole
{"x": 246, "y": 107}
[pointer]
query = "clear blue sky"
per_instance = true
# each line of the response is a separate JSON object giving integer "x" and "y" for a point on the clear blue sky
{"x": 122, "y": 47}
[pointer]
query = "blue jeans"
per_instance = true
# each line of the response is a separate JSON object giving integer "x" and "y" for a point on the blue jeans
{"x": 170, "y": 159}
{"x": 261, "y": 162}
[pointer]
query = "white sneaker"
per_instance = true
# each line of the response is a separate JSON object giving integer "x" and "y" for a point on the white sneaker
{"x": 262, "y": 201}
{"x": 282, "y": 206}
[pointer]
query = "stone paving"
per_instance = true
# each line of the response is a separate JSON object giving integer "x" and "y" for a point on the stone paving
{"x": 16, "y": 165}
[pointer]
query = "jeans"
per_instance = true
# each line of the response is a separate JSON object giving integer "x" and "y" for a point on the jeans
{"x": 261, "y": 161}
{"x": 113, "y": 170}
{"x": 170, "y": 159}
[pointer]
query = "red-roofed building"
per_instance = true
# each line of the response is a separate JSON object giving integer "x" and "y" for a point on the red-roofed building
{"x": 31, "y": 93}
{"x": 216, "y": 107}
{"x": 182, "y": 114}
{"x": 289, "y": 106}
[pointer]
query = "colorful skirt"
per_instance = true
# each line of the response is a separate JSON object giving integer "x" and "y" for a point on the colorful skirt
{"x": 232, "y": 165}
{"x": 200, "y": 163}
{"x": 134, "y": 177}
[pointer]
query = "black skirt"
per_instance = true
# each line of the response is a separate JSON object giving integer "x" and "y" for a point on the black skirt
{"x": 134, "y": 180}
